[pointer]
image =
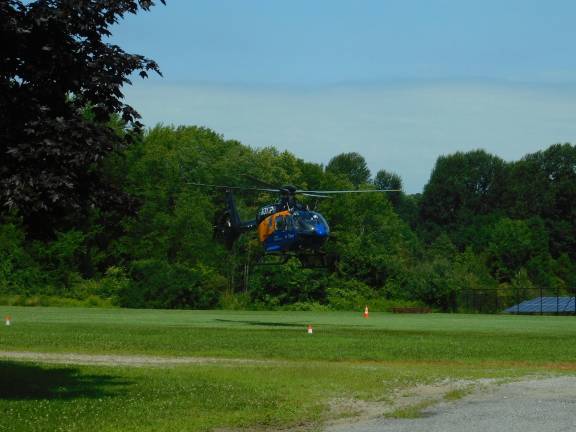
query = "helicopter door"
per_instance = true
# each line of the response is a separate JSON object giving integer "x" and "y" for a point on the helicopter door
{"x": 284, "y": 234}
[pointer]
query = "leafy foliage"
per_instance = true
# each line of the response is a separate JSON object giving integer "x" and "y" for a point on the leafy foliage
{"x": 18, "y": 270}
{"x": 55, "y": 63}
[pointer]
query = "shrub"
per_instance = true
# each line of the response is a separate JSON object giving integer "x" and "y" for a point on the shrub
{"x": 348, "y": 294}
{"x": 18, "y": 272}
{"x": 307, "y": 306}
{"x": 159, "y": 284}
{"x": 286, "y": 284}
{"x": 234, "y": 301}
{"x": 46, "y": 300}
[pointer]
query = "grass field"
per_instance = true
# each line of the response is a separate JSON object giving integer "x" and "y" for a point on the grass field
{"x": 346, "y": 357}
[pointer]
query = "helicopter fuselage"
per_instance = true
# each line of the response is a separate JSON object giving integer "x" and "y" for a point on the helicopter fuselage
{"x": 291, "y": 230}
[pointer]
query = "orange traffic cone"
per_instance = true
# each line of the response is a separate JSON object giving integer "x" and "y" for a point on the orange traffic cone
{"x": 8, "y": 319}
{"x": 309, "y": 328}
{"x": 365, "y": 312}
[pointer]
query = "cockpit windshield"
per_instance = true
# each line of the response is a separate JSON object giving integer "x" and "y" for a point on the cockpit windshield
{"x": 310, "y": 222}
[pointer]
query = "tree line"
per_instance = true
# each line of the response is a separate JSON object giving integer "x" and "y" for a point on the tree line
{"x": 480, "y": 222}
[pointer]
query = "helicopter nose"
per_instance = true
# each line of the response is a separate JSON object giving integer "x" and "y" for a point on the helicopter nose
{"x": 320, "y": 230}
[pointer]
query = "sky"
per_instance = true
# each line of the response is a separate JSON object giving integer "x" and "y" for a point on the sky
{"x": 400, "y": 82}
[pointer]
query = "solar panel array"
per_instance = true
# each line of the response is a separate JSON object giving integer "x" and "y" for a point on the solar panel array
{"x": 545, "y": 305}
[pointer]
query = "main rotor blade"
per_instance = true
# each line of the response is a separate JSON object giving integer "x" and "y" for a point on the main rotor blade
{"x": 261, "y": 182}
{"x": 234, "y": 187}
{"x": 325, "y": 192}
{"x": 315, "y": 195}
{"x": 284, "y": 188}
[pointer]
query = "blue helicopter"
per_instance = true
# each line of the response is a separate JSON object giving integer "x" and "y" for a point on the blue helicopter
{"x": 286, "y": 228}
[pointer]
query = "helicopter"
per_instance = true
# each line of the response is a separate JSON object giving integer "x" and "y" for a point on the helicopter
{"x": 286, "y": 228}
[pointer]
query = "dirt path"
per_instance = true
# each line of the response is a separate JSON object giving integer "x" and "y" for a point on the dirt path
{"x": 124, "y": 360}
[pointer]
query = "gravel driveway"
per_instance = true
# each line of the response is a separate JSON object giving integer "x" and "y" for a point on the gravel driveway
{"x": 543, "y": 405}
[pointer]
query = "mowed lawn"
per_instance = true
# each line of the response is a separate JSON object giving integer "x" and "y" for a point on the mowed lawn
{"x": 347, "y": 356}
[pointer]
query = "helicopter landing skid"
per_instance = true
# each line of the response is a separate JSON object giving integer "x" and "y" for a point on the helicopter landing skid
{"x": 314, "y": 260}
{"x": 272, "y": 259}
{"x": 309, "y": 260}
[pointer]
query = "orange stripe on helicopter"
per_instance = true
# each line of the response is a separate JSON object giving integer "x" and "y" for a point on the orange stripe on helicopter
{"x": 268, "y": 225}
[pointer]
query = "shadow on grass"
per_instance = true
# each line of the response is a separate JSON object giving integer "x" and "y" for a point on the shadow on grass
{"x": 21, "y": 381}
{"x": 293, "y": 325}
{"x": 263, "y": 323}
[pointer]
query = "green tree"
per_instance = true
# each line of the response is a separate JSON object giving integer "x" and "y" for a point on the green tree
{"x": 373, "y": 243}
{"x": 513, "y": 243}
{"x": 544, "y": 184}
{"x": 462, "y": 186}
{"x": 351, "y": 166}
{"x": 387, "y": 180}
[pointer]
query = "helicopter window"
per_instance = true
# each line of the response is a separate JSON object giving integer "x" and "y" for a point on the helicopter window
{"x": 280, "y": 223}
{"x": 306, "y": 221}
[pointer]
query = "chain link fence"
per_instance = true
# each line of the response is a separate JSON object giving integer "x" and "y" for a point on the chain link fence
{"x": 517, "y": 301}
